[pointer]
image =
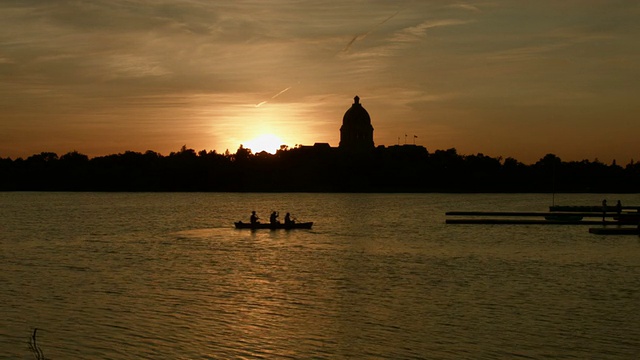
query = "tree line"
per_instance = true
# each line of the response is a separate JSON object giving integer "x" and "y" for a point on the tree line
{"x": 313, "y": 169}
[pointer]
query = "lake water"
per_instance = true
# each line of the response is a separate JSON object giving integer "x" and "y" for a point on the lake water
{"x": 380, "y": 276}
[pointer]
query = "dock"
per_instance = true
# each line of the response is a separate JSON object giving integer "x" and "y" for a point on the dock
{"x": 536, "y": 218}
{"x": 610, "y": 221}
{"x": 593, "y": 208}
{"x": 528, "y": 213}
{"x": 525, "y": 222}
{"x": 615, "y": 231}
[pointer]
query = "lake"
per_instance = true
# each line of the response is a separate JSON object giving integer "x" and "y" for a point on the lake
{"x": 380, "y": 276}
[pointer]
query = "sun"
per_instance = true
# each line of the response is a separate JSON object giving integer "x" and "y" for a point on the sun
{"x": 265, "y": 142}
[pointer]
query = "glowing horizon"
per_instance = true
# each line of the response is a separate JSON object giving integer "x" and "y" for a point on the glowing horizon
{"x": 493, "y": 78}
{"x": 264, "y": 142}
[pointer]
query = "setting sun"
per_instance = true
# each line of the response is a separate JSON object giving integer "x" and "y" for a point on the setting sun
{"x": 266, "y": 142}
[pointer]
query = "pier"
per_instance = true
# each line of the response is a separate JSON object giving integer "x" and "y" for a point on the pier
{"x": 538, "y": 218}
{"x": 610, "y": 218}
{"x": 615, "y": 231}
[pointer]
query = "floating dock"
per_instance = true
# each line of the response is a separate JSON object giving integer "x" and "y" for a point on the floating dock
{"x": 593, "y": 208}
{"x": 615, "y": 231}
{"x": 532, "y": 218}
{"x": 526, "y": 222}
{"x": 613, "y": 217}
{"x": 527, "y": 213}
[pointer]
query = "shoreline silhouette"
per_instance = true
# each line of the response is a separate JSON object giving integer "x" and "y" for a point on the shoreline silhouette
{"x": 316, "y": 168}
{"x": 356, "y": 165}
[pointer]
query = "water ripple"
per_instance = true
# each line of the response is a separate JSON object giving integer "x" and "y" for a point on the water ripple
{"x": 166, "y": 276}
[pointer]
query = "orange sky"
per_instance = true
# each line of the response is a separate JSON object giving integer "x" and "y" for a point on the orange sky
{"x": 504, "y": 78}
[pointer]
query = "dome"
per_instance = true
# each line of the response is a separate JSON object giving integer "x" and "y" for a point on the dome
{"x": 356, "y": 115}
{"x": 356, "y": 132}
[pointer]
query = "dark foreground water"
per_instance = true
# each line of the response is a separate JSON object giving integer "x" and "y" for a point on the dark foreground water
{"x": 380, "y": 276}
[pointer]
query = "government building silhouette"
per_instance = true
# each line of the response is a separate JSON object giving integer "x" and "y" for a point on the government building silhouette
{"x": 356, "y": 136}
{"x": 356, "y": 132}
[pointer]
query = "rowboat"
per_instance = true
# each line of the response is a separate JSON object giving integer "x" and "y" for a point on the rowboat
{"x": 295, "y": 225}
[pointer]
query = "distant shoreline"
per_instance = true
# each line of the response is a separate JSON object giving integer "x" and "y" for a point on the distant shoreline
{"x": 410, "y": 169}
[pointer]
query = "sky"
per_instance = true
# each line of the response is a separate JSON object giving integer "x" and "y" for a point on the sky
{"x": 505, "y": 78}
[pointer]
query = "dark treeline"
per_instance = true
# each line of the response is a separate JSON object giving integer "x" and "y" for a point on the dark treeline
{"x": 313, "y": 169}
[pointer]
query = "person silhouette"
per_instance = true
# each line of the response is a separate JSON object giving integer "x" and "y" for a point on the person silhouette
{"x": 274, "y": 217}
{"x": 287, "y": 219}
{"x": 254, "y": 218}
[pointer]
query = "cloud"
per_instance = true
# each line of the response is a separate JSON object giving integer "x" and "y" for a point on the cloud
{"x": 134, "y": 66}
{"x": 466, "y": 7}
{"x": 556, "y": 42}
{"x": 364, "y": 35}
{"x": 415, "y": 33}
{"x": 397, "y": 44}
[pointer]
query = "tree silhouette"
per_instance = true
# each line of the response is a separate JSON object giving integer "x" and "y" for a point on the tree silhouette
{"x": 317, "y": 168}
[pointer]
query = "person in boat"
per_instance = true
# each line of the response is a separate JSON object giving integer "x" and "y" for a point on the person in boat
{"x": 287, "y": 219}
{"x": 274, "y": 218}
{"x": 619, "y": 207}
{"x": 254, "y": 218}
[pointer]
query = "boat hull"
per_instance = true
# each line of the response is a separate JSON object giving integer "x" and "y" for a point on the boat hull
{"x": 302, "y": 225}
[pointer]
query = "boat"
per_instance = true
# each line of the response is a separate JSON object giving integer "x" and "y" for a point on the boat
{"x": 295, "y": 225}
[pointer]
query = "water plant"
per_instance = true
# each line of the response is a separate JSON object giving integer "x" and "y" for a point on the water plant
{"x": 33, "y": 346}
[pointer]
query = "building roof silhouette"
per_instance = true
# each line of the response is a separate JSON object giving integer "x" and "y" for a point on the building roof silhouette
{"x": 356, "y": 132}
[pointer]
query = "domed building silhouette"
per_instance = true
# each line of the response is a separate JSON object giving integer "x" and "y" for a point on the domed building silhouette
{"x": 356, "y": 137}
{"x": 356, "y": 132}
